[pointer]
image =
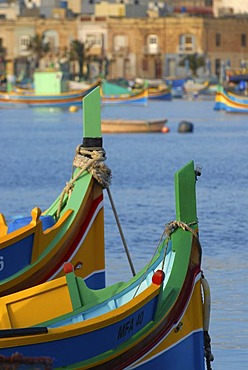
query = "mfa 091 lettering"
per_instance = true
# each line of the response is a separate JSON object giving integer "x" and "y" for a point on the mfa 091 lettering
{"x": 1, "y": 263}
{"x": 129, "y": 326}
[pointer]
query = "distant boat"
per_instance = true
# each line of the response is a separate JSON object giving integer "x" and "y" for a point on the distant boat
{"x": 236, "y": 75}
{"x": 112, "y": 94}
{"x": 27, "y": 99}
{"x": 195, "y": 86}
{"x": 157, "y": 88}
{"x": 132, "y": 126}
{"x": 177, "y": 86}
{"x": 50, "y": 91}
{"x": 230, "y": 102}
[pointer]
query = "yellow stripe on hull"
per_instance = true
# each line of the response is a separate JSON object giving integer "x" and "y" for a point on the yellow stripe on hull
{"x": 191, "y": 321}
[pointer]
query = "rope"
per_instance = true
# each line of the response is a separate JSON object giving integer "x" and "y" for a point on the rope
{"x": 121, "y": 232}
{"x": 206, "y": 317}
{"x": 207, "y": 350}
{"x": 91, "y": 160}
{"x": 173, "y": 225}
{"x": 168, "y": 230}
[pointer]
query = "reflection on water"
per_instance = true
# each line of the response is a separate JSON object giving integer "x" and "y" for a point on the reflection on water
{"x": 37, "y": 149}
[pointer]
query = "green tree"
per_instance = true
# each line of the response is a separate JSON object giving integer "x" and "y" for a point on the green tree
{"x": 194, "y": 62}
{"x": 39, "y": 47}
{"x": 78, "y": 52}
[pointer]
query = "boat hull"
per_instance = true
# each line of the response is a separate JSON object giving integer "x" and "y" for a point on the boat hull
{"x": 230, "y": 102}
{"x": 178, "y": 349}
{"x": 132, "y": 126}
{"x": 159, "y": 94}
{"x": 32, "y": 100}
{"x": 140, "y": 98}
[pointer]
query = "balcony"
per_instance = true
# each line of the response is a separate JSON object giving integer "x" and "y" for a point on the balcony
{"x": 120, "y": 51}
{"x": 186, "y": 49}
{"x": 152, "y": 49}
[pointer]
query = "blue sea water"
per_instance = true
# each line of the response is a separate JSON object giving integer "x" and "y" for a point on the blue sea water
{"x": 36, "y": 153}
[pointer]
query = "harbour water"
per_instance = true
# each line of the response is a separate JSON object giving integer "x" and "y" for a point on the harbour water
{"x": 37, "y": 149}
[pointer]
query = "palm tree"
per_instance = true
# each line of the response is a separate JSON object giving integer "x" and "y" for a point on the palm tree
{"x": 194, "y": 62}
{"x": 39, "y": 47}
{"x": 78, "y": 52}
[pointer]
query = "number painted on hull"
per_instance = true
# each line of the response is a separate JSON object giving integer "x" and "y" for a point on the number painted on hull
{"x": 1, "y": 263}
{"x": 128, "y": 327}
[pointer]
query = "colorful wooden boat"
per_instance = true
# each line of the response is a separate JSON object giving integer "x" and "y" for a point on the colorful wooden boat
{"x": 50, "y": 91}
{"x": 157, "y": 88}
{"x": 177, "y": 85}
{"x": 159, "y": 93}
{"x": 230, "y": 102}
{"x": 196, "y": 86}
{"x": 158, "y": 319}
{"x": 236, "y": 75}
{"x": 34, "y": 249}
{"x": 132, "y": 126}
{"x": 112, "y": 94}
{"x": 31, "y": 100}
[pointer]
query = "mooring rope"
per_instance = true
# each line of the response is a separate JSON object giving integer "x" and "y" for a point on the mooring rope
{"x": 168, "y": 230}
{"x": 206, "y": 317}
{"x": 173, "y": 225}
{"x": 92, "y": 160}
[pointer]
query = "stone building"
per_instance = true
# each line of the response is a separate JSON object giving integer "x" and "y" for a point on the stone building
{"x": 151, "y": 47}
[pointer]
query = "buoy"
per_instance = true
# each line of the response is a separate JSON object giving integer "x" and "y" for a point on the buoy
{"x": 73, "y": 109}
{"x": 165, "y": 129}
{"x": 68, "y": 267}
{"x": 185, "y": 126}
{"x": 158, "y": 277}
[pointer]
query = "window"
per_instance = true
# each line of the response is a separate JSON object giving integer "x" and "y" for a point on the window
{"x": 120, "y": 42}
{"x": 218, "y": 39}
{"x": 24, "y": 42}
{"x": 152, "y": 40}
{"x": 243, "y": 39}
{"x": 187, "y": 43}
{"x": 152, "y": 44}
{"x": 94, "y": 40}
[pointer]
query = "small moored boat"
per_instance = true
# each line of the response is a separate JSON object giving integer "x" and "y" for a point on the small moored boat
{"x": 132, "y": 126}
{"x": 230, "y": 102}
{"x": 112, "y": 94}
{"x": 50, "y": 92}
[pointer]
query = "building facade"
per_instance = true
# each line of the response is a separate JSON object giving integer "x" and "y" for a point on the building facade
{"x": 151, "y": 47}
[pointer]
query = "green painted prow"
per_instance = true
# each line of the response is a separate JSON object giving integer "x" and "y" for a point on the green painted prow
{"x": 92, "y": 119}
{"x": 185, "y": 193}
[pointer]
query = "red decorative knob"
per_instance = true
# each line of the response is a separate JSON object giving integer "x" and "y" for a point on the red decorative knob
{"x": 158, "y": 277}
{"x": 68, "y": 267}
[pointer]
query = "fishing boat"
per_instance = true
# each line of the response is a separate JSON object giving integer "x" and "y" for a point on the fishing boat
{"x": 158, "y": 319}
{"x": 112, "y": 94}
{"x": 157, "y": 88}
{"x": 195, "y": 86}
{"x": 177, "y": 85}
{"x": 132, "y": 126}
{"x": 230, "y": 102}
{"x": 50, "y": 91}
{"x": 33, "y": 249}
{"x": 159, "y": 93}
